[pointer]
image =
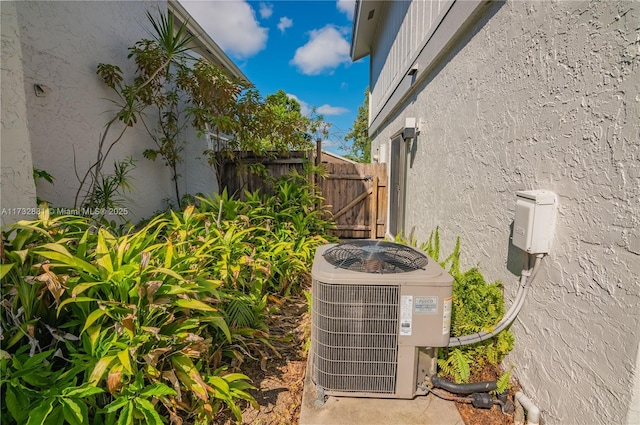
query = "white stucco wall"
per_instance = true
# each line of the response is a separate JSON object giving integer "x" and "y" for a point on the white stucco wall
{"x": 62, "y": 43}
{"x": 17, "y": 193}
{"x": 544, "y": 95}
{"x": 196, "y": 175}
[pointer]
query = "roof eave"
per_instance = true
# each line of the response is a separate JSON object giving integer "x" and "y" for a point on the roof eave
{"x": 365, "y": 20}
{"x": 203, "y": 44}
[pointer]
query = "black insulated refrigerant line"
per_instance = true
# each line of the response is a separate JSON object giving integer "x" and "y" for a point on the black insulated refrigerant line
{"x": 475, "y": 387}
{"x": 479, "y": 396}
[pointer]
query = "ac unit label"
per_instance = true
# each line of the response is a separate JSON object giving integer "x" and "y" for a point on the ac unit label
{"x": 425, "y": 305}
{"x": 446, "y": 316}
{"x": 406, "y": 303}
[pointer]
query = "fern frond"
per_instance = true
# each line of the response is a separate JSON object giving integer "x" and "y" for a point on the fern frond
{"x": 454, "y": 259}
{"x": 433, "y": 245}
{"x": 503, "y": 383}
{"x": 445, "y": 367}
{"x": 461, "y": 367}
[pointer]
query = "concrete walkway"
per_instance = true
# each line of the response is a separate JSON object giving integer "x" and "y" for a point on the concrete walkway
{"x": 422, "y": 410}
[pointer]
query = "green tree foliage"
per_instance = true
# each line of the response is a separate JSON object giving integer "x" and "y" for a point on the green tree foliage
{"x": 183, "y": 91}
{"x": 360, "y": 146}
{"x": 281, "y": 99}
{"x": 287, "y": 126}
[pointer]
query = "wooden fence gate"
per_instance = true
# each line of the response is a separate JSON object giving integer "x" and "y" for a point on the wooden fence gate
{"x": 356, "y": 194}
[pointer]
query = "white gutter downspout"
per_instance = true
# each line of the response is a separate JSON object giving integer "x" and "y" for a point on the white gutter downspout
{"x": 533, "y": 413}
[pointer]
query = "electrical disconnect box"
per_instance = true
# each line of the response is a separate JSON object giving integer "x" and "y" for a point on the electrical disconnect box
{"x": 534, "y": 221}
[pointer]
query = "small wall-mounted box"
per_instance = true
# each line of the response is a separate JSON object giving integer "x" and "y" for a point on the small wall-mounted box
{"x": 534, "y": 222}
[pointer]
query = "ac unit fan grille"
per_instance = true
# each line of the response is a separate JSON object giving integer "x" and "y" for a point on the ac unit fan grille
{"x": 375, "y": 257}
{"x": 355, "y": 337}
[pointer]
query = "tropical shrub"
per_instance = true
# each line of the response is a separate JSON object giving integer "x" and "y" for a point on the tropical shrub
{"x": 183, "y": 89}
{"x": 146, "y": 324}
{"x": 119, "y": 327}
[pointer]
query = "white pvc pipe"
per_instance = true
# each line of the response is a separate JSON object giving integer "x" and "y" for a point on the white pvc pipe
{"x": 533, "y": 413}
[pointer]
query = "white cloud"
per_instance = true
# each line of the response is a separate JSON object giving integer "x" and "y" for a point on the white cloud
{"x": 231, "y": 24}
{"x": 346, "y": 7}
{"x": 330, "y": 143}
{"x": 304, "y": 106}
{"x": 325, "y": 109}
{"x": 332, "y": 110}
{"x": 284, "y": 24}
{"x": 266, "y": 10}
{"x": 325, "y": 51}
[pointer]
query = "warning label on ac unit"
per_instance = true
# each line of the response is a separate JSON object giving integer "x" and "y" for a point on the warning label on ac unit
{"x": 406, "y": 314}
{"x": 446, "y": 316}
{"x": 425, "y": 305}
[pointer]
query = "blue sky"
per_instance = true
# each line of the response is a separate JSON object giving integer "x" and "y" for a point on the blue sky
{"x": 301, "y": 47}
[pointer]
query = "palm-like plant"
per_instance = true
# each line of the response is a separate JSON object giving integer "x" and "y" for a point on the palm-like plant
{"x": 154, "y": 59}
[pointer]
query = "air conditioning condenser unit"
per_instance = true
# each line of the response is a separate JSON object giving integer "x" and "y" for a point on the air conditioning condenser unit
{"x": 379, "y": 312}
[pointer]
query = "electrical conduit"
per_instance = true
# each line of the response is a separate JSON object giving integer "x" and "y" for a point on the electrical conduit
{"x": 526, "y": 278}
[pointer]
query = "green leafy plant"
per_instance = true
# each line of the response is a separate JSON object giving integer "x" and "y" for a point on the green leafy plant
{"x": 143, "y": 324}
{"x": 181, "y": 91}
{"x": 129, "y": 315}
{"x": 154, "y": 59}
{"x": 503, "y": 383}
{"x": 110, "y": 190}
{"x": 39, "y": 174}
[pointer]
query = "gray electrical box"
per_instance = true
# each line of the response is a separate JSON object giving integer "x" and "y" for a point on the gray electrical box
{"x": 534, "y": 222}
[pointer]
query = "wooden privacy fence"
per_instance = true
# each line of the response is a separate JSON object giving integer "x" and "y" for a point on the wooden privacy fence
{"x": 237, "y": 177}
{"x": 356, "y": 194}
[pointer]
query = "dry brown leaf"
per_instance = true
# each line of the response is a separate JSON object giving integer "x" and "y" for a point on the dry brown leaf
{"x": 170, "y": 375}
{"x": 52, "y": 282}
{"x": 275, "y": 299}
{"x": 145, "y": 257}
{"x": 127, "y": 322}
{"x": 152, "y": 357}
{"x": 263, "y": 364}
{"x": 114, "y": 381}
{"x": 151, "y": 288}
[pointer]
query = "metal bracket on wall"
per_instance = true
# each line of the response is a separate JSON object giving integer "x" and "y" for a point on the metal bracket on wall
{"x": 41, "y": 90}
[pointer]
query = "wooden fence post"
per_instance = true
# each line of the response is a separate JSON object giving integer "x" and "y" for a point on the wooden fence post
{"x": 373, "y": 217}
{"x": 318, "y": 152}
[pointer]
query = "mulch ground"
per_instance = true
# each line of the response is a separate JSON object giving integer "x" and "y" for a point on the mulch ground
{"x": 493, "y": 416}
{"x": 279, "y": 380}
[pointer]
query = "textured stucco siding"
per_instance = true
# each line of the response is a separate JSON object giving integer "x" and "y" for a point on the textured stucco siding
{"x": 62, "y": 43}
{"x": 543, "y": 95}
{"x": 18, "y": 193}
{"x": 196, "y": 175}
